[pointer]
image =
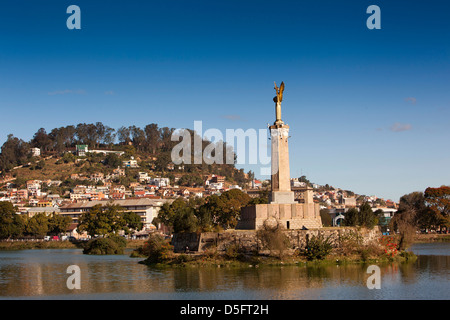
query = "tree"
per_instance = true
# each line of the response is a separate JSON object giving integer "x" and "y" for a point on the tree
{"x": 112, "y": 160}
{"x": 438, "y": 201}
{"x": 166, "y": 141}
{"x": 109, "y": 136}
{"x": 132, "y": 222}
{"x": 305, "y": 180}
{"x": 58, "y": 223}
{"x": 14, "y": 152}
{"x": 41, "y": 140}
{"x": 226, "y": 208}
{"x": 179, "y": 215}
{"x": 204, "y": 219}
{"x": 366, "y": 216}
{"x": 185, "y": 220}
{"x": 123, "y": 135}
{"x": 168, "y": 212}
{"x": 37, "y": 225}
{"x": 102, "y": 220}
{"x": 162, "y": 161}
{"x": 351, "y": 217}
{"x": 138, "y": 137}
{"x": 326, "y": 218}
{"x": 11, "y": 224}
{"x": 190, "y": 180}
{"x": 406, "y": 219}
{"x": 152, "y": 135}
{"x": 100, "y": 131}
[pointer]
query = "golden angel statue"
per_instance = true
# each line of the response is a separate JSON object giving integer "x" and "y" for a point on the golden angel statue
{"x": 278, "y": 100}
{"x": 279, "y": 92}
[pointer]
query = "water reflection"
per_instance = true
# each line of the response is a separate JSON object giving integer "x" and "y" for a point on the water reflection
{"x": 42, "y": 273}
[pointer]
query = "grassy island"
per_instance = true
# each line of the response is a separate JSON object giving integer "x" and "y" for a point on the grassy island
{"x": 319, "y": 251}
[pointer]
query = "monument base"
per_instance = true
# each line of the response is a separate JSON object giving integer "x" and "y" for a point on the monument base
{"x": 285, "y": 197}
{"x": 290, "y": 216}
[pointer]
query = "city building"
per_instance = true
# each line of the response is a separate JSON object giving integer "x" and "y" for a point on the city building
{"x": 146, "y": 208}
{"x": 81, "y": 150}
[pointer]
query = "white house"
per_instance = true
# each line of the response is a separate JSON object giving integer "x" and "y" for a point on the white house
{"x": 35, "y": 152}
{"x": 160, "y": 182}
{"x": 130, "y": 163}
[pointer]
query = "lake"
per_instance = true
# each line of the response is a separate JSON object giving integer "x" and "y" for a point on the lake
{"x": 42, "y": 274}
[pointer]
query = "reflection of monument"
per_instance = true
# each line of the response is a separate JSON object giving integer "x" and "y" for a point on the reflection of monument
{"x": 282, "y": 206}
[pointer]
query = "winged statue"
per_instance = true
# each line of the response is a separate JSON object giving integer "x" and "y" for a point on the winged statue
{"x": 279, "y": 92}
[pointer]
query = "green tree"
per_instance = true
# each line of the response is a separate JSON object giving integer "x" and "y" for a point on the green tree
{"x": 132, "y": 222}
{"x": 305, "y": 180}
{"x": 366, "y": 216}
{"x": 438, "y": 202}
{"x": 112, "y": 160}
{"x": 41, "y": 140}
{"x": 351, "y": 217}
{"x": 190, "y": 180}
{"x": 14, "y": 152}
{"x": 185, "y": 220}
{"x": 326, "y": 218}
{"x": 226, "y": 208}
{"x": 58, "y": 223}
{"x": 37, "y": 225}
{"x": 102, "y": 220}
{"x": 11, "y": 224}
{"x": 406, "y": 219}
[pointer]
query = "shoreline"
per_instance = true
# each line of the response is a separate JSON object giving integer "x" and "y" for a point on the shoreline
{"x": 134, "y": 244}
{"x": 36, "y": 245}
{"x": 203, "y": 261}
{"x": 431, "y": 237}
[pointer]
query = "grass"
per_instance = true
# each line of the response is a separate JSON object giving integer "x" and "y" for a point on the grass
{"x": 256, "y": 261}
{"x": 431, "y": 237}
{"x": 27, "y": 245}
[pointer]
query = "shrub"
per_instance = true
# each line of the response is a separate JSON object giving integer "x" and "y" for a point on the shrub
{"x": 318, "y": 248}
{"x": 350, "y": 242}
{"x": 390, "y": 246}
{"x": 105, "y": 246}
{"x": 233, "y": 251}
{"x": 158, "y": 249}
{"x": 273, "y": 238}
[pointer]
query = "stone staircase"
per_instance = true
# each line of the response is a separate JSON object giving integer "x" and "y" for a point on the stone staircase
{"x": 311, "y": 223}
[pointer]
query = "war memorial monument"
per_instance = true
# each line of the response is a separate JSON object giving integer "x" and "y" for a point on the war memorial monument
{"x": 282, "y": 207}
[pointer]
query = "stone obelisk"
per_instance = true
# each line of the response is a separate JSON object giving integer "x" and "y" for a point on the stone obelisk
{"x": 279, "y": 134}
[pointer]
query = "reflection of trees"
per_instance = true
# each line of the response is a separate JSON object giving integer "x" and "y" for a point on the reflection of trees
{"x": 433, "y": 264}
{"x": 46, "y": 275}
{"x": 277, "y": 278}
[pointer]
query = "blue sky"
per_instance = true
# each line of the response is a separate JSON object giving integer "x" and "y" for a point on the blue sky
{"x": 369, "y": 110}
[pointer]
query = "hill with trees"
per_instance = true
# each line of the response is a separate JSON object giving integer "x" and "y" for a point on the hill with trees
{"x": 151, "y": 146}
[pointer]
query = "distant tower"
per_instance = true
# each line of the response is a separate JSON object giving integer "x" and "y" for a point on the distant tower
{"x": 279, "y": 133}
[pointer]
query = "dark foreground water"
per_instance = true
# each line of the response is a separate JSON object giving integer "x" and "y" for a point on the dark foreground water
{"x": 42, "y": 274}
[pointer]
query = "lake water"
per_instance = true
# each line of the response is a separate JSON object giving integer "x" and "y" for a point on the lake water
{"x": 42, "y": 274}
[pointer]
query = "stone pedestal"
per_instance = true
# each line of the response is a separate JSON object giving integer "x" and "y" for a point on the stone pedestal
{"x": 289, "y": 215}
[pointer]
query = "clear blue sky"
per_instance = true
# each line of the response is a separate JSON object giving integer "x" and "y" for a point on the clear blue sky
{"x": 369, "y": 110}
